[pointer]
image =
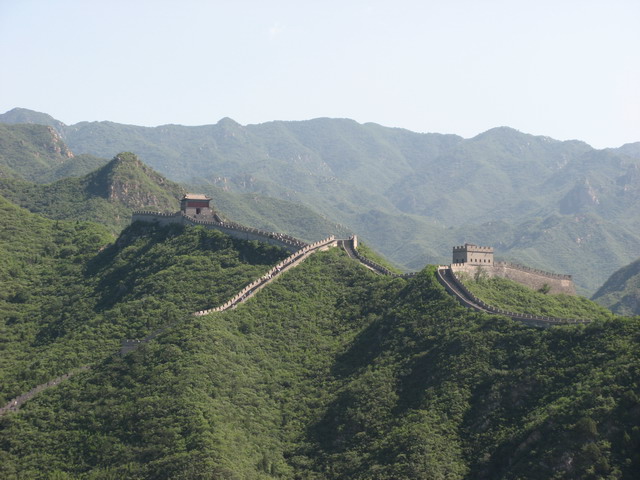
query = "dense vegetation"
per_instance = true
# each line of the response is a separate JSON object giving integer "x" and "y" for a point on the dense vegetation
{"x": 330, "y": 372}
{"x": 107, "y": 195}
{"x": 514, "y": 297}
{"x": 63, "y": 304}
{"x": 558, "y": 206}
{"x": 37, "y": 153}
{"x": 43, "y": 287}
{"x": 85, "y": 188}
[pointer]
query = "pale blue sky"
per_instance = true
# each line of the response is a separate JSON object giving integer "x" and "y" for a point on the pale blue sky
{"x": 565, "y": 69}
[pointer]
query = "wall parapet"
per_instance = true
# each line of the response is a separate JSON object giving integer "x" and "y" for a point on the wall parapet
{"x": 524, "y": 268}
{"x": 231, "y": 228}
{"x": 251, "y": 288}
{"x": 350, "y": 245}
{"x": 530, "y": 277}
{"x": 472, "y": 247}
{"x": 514, "y": 315}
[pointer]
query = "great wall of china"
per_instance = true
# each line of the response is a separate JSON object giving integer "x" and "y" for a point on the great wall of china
{"x": 452, "y": 284}
{"x": 446, "y": 276}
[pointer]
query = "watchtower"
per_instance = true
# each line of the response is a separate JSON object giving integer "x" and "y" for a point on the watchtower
{"x": 473, "y": 255}
{"x": 194, "y": 204}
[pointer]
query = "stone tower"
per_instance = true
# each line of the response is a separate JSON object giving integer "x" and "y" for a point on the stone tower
{"x": 195, "y": 204}
{"x": 473, "y": 255}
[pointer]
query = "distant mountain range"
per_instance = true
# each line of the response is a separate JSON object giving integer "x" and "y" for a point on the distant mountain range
{"x": 559, "y": 206}
{"x": 109, "y": 193}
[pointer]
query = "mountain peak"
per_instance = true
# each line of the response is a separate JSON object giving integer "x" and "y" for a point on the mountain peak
{"x": 24, "y": 115}
{"x": 228, "y": 122}
{"x": 505, "y": 133}
{"x": 128, "y": 180}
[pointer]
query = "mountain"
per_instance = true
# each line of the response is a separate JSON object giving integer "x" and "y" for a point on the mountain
{"x": 70, "y": 294}
{"x": 412, "y": 196}
{"x": 27, "y": 150}
{"x": 111, "y": 193}
{"x": 108, "y": 195}
{"x": 38, "y": 153}
{"x": 328, "y": 372}
{"x": 24, "y": 115}
{"x": 621, "y": 292}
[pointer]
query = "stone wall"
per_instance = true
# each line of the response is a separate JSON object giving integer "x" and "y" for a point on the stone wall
{"x": 468, "y": 299}
{"x": 232, "y": 229}
{"x": 350, "y": 246}
{"x": 256, "y": 285}
{"x": 473, "y": 254}
{"x": 530, "y": 277}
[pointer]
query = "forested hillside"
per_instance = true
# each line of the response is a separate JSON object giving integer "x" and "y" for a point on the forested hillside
{"x": 559, "y": 206}
{"x": 37, "y": 153}
{"x": 329, "y": 372}
{"x": 107, "y": 195}
{"x": 69, "y": 297}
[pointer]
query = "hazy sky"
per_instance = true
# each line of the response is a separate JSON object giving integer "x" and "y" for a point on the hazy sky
{"x": 566, "y": 69}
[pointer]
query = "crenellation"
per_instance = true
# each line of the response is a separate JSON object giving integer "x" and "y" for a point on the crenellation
{"x": 196, "y": 210}
{"x": 455, "y": 287}
{"x": 472, "y": 259}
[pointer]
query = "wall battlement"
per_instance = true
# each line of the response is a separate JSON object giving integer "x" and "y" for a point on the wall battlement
{"x": 473, "y": 254}
{"x": 472, "y": 247}
{"x": 449, "y": 279}
{"x": 529, "y": 277}
{"x": 230, "y": 228}
{"x": 517, "y": 266}
{"x": 471, "y": 258}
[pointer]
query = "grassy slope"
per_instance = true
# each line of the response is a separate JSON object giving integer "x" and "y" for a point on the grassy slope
{"x": 272, "y": 214}
{"x": 334, "y": 372}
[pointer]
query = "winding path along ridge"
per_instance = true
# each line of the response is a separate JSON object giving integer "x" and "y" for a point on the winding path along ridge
{"x": 444, "y": 274}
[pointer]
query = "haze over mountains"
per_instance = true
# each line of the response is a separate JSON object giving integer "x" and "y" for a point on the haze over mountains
{"x": 560, "y": 206}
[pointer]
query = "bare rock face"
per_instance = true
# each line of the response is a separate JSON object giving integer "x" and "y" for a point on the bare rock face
{"x": 128, "y": 181}
{"x": 57, "y": 145}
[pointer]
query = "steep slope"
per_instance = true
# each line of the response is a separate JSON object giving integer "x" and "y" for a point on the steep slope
{"x": 43, "y": 286}
{"x": 68, "y": 301}
{"x": 621, "y": 292}
{"x": 37, "y": 153}
{"x": 107, "y": 195}
{"x": 24, "y": 115}
{"x": 28, "y": 150}
{"x": 334, "y": 372}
